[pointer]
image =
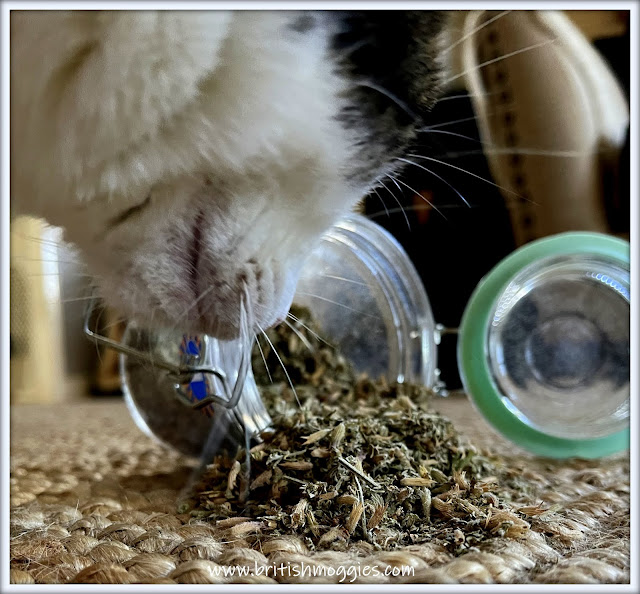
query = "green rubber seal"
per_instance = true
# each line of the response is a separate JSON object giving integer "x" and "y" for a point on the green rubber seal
{"x": 473, "y": 363}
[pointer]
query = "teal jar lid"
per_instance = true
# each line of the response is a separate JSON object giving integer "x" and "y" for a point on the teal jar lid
{"x": 543, "y": 348}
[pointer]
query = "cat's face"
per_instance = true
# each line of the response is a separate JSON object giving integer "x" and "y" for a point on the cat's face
{"x": 196, "y": 158}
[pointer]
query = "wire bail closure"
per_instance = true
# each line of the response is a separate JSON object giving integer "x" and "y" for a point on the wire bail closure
{"x": 183, "y": 373}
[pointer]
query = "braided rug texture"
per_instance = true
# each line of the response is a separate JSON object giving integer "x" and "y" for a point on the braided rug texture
{"x": 93, "y": 500}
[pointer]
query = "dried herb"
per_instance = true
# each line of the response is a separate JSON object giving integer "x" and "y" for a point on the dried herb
{"x": 358, "y": 460}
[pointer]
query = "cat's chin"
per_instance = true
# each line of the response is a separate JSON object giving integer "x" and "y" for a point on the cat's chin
{"x": 222, "y": 315}
{"x": 221, "y": 328}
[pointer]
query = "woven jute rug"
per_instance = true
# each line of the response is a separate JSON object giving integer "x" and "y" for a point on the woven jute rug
{"x": 93, "y": 500}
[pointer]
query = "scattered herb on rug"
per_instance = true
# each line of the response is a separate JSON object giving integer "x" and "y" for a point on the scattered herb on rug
{"x": 357, "y": 460}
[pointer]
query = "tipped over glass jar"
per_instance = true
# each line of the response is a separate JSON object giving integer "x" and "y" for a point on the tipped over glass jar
{"x": 543, "y": 346}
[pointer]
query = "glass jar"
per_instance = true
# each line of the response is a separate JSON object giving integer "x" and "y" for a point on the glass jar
{"x": 368, "y": 298}
{"x": 365, "y": 295}
{"x": 543, "y": 346}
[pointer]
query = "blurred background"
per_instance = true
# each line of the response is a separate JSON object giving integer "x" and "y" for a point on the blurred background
{"x": 452, "y": 244}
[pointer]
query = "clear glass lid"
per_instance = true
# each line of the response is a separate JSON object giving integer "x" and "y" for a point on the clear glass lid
{"x": 558, "y": 346}
{"x": 368, "y": 299}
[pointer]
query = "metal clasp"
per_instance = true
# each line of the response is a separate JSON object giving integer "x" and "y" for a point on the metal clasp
{"x": 439, "y": 387}
{"x": 181, "y": 374}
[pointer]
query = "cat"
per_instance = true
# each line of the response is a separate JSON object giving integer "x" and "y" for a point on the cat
{"x": 195, "y": 158}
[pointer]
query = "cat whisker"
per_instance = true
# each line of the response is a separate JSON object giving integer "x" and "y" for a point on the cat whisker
{"x": 299, "y": 321}
{"x": 393, "y": 179}
{"x": 349, "y": 280}
{"x": 415, "y": 207}
{"x": 427, "y": 207}
{"x": 421, "y": 196}
{"x": 436, "y": 175}
{"x": 465, "y": 96}
{"x": 40, "y": 240}
{"x": 193, "y": 304}
{"x": 569, "y": 154}
{"x": 247, "y": 326}
{"x": 499, "y": 59}
{"x": 246, "y": 323}
{"x": 264, "y": 359}
{"x": 493, "y": 148}
{"x": 406, "y": 218}
{"x": 286, "y": 373}
{"x": 471, "y": 174}
{"x": 60, "y": 273}
{"x": 44, "y": 260}
{"x": 380, "y": 198}
{"x": 301, "y": 336}
{"x": 75, "y": 299}
{"x": 475, "y": 30}
{"x": 347, "y": 51}
{"x": 321, "y": 298}
{"x": 389, "y": 95}
{"x": 449, "y": 123}
{"x": 114, "y": 323}
{"x": 449, "y": 133}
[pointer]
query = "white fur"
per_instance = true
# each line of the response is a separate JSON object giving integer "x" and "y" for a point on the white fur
{"x": 228, "y": 117}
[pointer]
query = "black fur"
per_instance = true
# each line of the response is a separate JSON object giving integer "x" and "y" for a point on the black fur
{"x": 391, "y": 60}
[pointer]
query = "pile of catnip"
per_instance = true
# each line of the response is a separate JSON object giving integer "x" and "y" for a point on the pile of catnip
{"x": 357, "y": 459}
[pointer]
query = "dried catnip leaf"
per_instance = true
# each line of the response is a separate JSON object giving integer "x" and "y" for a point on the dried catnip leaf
{"x": 354, "y": 516}
{"x": 358, "y": 451}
